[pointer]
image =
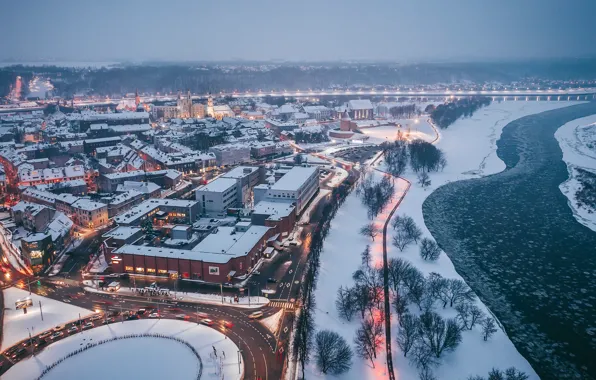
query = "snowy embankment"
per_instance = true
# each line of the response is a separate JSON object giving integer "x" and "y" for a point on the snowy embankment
{"x": 577, "y": 140}
{"x": 16, "y": 322}
{"x": 136, "y": 358}
{"x": 470, "y": 149}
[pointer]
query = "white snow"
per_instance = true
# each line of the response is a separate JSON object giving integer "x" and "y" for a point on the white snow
{"x": 272, "y": 321}
{"x": 136, "y": 358}
{"x": 418, "y": 129}
{"x": 16, "y": 323}
{"x": 470, "y": 148}
{"x": 577, "y": 141}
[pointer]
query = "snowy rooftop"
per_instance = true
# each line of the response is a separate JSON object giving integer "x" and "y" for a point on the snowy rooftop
{"x": 149, "y": 205}
{"x": 294, "y": 178}
{"x": 360, "y": 104}
{"x": 240, "y": 172}
{"x": 275, "y": 209}
{"x": 218, "y": 185}
{"x": 122, "y": 232}
{"x": 88, "y": 205}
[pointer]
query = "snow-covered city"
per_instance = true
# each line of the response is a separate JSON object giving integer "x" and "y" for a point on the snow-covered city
{"x": 278, "y": 210}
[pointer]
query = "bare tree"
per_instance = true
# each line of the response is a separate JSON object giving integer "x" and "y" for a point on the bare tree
{"x": 368, "y": 339}
{"x": 365, "y": 256}
{"x": 429, "y": 249}
{"x": 415, "y": 284}
{"x": 370, "y": 230}
{"x": 400, "y": 304}
{"x": 423, "y": 179}
{"x": 514, "y": 374}
{"x": 456, "y": 291}
{"x": 402, "y": 239}
{"x": 410, "y": 227}
{"x": 303, "y": 337}
{"x": 332, "y": 353}
{"x": 361, "y": 297}
{"x": 437, "y": 334}
{"x": 489, "y": 327}
{"x": 407, "y": 332}
{"x": 397, "y": 267}
{"x": 468, "y": 314}
{"x": 344, "y": 303}
{"x": 426, "y": 373}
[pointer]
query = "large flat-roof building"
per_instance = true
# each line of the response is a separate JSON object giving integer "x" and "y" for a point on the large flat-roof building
{"x": 227, "y": 252}
{"x": 160, "y": 211}
{"x": 298, "y": 185}
{"x": 218, "y": 196}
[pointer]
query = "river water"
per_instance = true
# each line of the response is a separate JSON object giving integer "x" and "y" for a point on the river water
{"x": 514, "y": 239}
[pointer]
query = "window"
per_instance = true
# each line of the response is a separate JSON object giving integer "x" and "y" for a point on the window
{"x": 150, "y": 270}
{"x": 140, "y": 269}
{"x": 162, "y": 271}
{"x": 127, "y": 269}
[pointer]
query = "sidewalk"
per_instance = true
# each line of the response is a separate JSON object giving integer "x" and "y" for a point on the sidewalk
{"x": 210, "y": 299}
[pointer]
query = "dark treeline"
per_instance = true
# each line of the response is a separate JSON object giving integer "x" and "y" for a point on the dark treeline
{"x": 446, "y": 114}
{"x": 316, "y": 137}
{"x": 200, "y": 78}
{"x": 404, "y": 112}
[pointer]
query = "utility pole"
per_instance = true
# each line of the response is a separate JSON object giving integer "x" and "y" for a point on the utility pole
{"x": 40, "y": 310}
{"x": 239, "y": 360}
{"x": 197, "y": 314}
{"x": 221, "y": 289}
{"x": 31, "y": 340}
{"x": 248, "y": 294}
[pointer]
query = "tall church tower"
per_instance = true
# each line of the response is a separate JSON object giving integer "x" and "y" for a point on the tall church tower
{"x": 345, "y": 123}
{"x": 210, "y": 111}
{"x": 137, "y": 98}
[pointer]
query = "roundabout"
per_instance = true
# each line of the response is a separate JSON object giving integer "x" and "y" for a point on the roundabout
{"x": 148, "y": 349}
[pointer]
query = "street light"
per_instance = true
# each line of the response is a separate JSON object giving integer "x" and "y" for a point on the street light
{"x": 239, "y": 360}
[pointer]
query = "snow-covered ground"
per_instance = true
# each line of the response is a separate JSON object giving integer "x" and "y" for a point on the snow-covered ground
{"x": 577, "y": 140}
{"x": 135, "y": 358}
{"x": 16, "y": 323}
{"x": 272, "y": 322}
{"x": 212, "y": 299}
{"x": 470, "y": 149}
{"x": 412, "y": 128}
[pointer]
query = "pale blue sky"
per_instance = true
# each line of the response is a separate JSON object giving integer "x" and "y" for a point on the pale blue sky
{"x": 307, "y": 30}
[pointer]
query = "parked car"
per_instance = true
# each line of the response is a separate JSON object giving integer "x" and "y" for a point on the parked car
{"x": 73, "y": 330}
{"x": 88, "y": 325}
{"x": 45, "y": 334}
{"x": 96, "y": 317}
{"x": 57, "y": 335}
{"x": 59, "y": 328}
{"x": 109, "y": 320}
{"x": 271, "y": 279}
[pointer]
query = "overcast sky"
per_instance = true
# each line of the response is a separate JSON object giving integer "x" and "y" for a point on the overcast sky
{"x": 300, "y": 30}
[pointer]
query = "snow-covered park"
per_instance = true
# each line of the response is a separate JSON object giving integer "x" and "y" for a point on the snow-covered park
{"x": 413, "y": 128}
{"x": 470, "y": 149}
{"x": 577, "y": 140}
{"x": 17, "y": 325}
{"x": 141, "y": 357}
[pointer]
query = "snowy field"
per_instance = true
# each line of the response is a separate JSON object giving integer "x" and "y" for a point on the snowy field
{"x": 16, "y": 323}
{"x": 470, "y": 149}
{"x": 135, "y": 358}
{"x": 418, "y": 130}
{"x": 574, "y": 139}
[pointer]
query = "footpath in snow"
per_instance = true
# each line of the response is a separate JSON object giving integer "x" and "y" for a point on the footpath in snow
{"x": 470, "y": 149}
{"x": 137, "y": 358}
{"x": 16, "y": 322}
{"x": 577, "y": 140}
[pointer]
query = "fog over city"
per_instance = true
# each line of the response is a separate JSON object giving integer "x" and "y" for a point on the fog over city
{"x": 306, "y": 30}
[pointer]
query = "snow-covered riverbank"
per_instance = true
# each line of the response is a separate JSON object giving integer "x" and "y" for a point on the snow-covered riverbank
{"x": 470, "y": 149}
{"x": 577, "y": 140}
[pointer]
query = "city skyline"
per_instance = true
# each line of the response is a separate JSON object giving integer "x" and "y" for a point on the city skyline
{"x": 264, "y": 30}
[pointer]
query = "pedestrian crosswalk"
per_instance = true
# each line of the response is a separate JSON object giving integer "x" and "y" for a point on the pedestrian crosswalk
{"x": 282, "y": 305}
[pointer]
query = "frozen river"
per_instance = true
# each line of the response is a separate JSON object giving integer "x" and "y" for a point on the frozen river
{"x": 514, "y": 239}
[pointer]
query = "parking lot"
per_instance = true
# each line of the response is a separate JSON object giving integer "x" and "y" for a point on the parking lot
{"x": 358, "y": 154}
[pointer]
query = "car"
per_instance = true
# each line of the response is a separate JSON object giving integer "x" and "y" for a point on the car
{"x": 19, "y": 353}
{"x": 109, "y": 320}
{"x": 57, "y": 335}
{"x": 207, "y": 322}
{"x": 132, "y": 317}
{"x": 88, "y": 325}
{"x": 96, "y": 317}
{"x": 271, "y": 279}
{"x": 202, "y": 315}
{"x": 256, "y": 315}
{"x": 66, "y": 300}
{"x": 183, "y": 317}
{"x": 27, "y": 343}
{"x": 72, "y": 330}
{"x": 154, "y": 315}
{"x": 45, "y": 334}
{"x": 256, "y": 273}
{"x": 141, "y": 311}
{"x": 227, "y": 324}
{"x": 41, "y": 343}
{"x": 11, "y": 351}
{"x": 59, "y": 328}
